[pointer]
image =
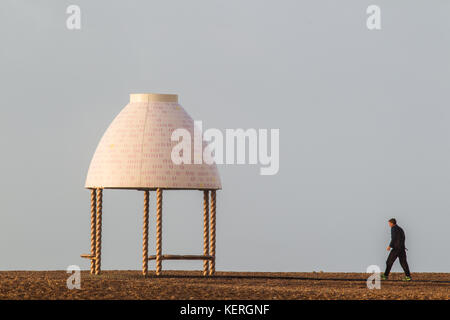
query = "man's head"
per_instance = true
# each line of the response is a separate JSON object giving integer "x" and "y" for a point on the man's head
{"x": 392, "y": 222}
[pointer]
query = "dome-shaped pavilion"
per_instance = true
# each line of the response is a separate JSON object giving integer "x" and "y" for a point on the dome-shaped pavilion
{"x": 135, "y": 153}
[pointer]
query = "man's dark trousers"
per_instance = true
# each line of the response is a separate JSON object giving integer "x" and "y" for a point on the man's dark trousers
{"x": 393, "y": 255}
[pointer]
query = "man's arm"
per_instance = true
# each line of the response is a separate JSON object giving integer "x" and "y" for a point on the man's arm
{"x": 394, "y": 237}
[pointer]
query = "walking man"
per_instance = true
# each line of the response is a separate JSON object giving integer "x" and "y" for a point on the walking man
{"x": 397, "y": 250}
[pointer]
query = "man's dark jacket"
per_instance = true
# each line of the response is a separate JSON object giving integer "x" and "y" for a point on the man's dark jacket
{"x": 397, "y": 238}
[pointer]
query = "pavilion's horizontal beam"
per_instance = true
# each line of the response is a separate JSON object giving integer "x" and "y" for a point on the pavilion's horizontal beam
{"x": 181, "y": 257}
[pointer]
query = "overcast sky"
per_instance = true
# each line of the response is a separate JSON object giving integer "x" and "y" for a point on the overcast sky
{"x": 364, "y": 123}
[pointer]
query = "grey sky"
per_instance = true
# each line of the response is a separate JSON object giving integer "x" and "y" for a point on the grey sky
{"x": 364, "y": 123}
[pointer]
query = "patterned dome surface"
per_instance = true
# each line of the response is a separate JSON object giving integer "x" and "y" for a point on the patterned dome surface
{"x": 135, "y": 151}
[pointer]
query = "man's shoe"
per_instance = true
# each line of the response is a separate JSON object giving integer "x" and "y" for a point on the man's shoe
{"x": 407, "y": 278}
{"x": 383, "y": 277}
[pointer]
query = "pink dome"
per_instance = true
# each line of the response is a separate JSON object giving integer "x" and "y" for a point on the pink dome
{"x": 135, "y": 151}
